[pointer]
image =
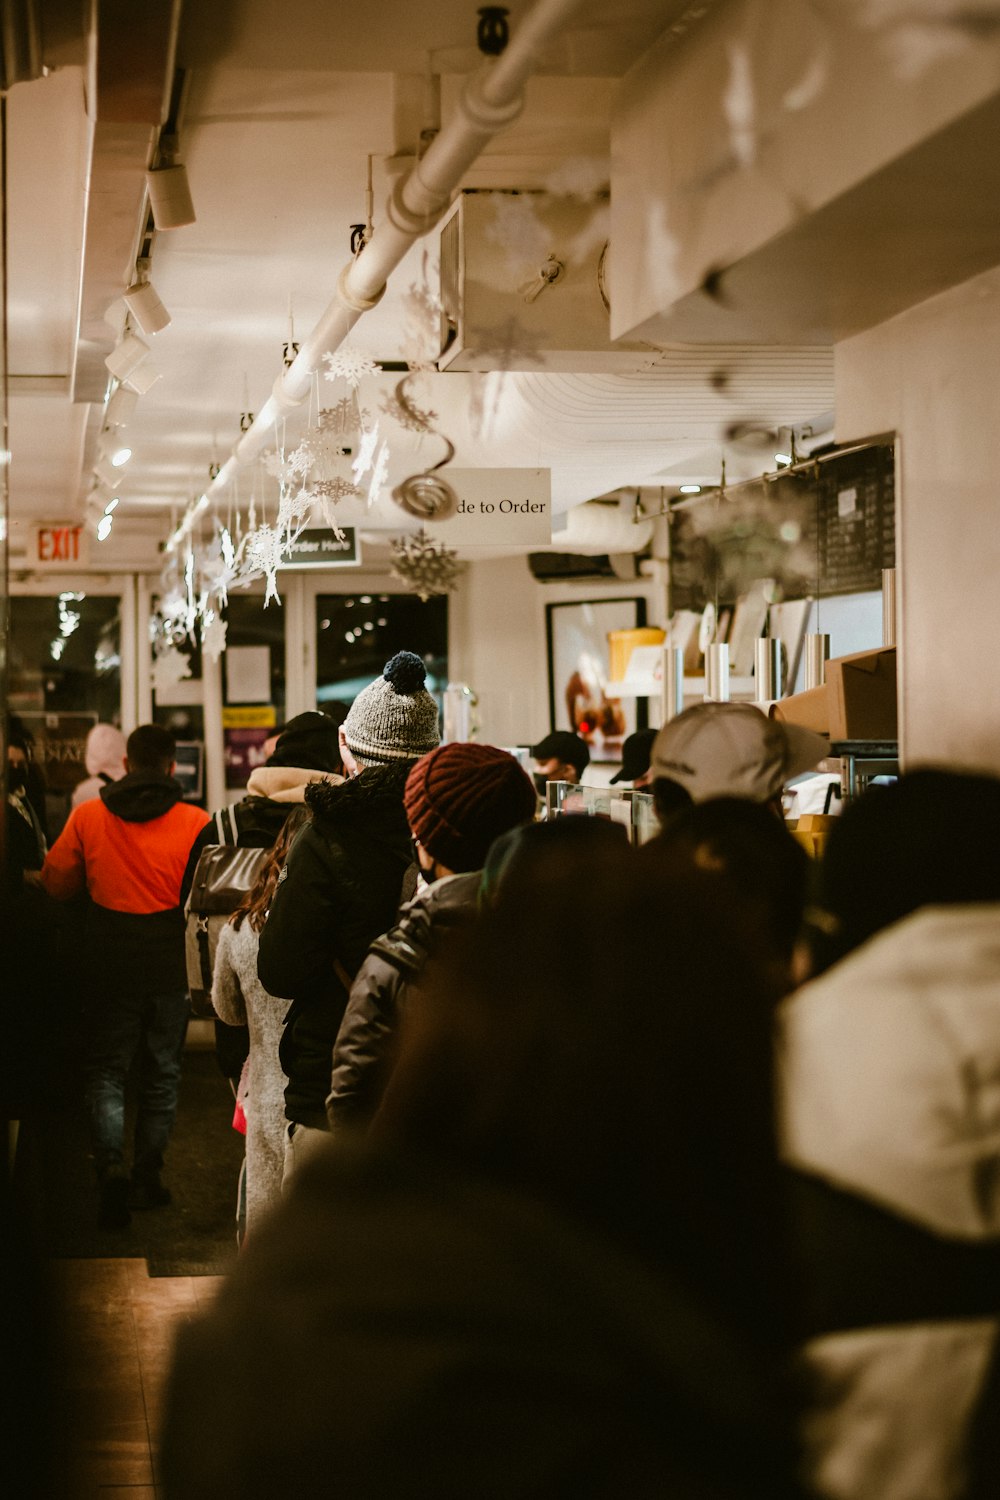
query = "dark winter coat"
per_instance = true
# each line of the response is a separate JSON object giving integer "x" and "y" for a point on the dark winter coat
{"x": 340, "y": 888}
{"x": 364, "y": 1053}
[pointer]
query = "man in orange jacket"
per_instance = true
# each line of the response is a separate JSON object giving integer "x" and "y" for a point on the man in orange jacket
{"x": 128, "y": 849}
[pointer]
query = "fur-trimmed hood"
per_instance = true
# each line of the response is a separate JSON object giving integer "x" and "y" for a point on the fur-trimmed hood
{"x": 286, "y": 783}
{"x": 375, "y": 798}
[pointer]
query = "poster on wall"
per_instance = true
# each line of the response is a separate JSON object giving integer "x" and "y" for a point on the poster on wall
{"x": 580, "y": 671}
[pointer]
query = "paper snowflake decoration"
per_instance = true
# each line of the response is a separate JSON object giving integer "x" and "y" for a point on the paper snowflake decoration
{"x": 263, "y": 554}
{"x": 343, "y": 418}
{"x": 293, "y": 513}
{"x": 337, "y": 488}
{"x": 380, "y": 473}
{"x": 350, "y": 364}
{"x": 221, "y": 571}
{"x": 276, "y": 464}
{"x": 170, "y": 668}
{"x": 406, "y": 412}
{"x": 301, "y": 460}
{"x": 330, "y": 517}
{"x": 213, "y": 635}
{"x": 426, "y": 567}
{"x": 365, "y": 457}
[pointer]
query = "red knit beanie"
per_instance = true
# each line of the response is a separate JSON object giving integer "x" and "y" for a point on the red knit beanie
{"x": 462, "y": 796}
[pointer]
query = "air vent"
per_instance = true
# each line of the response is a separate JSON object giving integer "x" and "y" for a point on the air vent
{"x": 569, "y": 567}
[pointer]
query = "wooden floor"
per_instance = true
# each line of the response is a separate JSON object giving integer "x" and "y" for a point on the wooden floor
{"x": 116, "y": 1330}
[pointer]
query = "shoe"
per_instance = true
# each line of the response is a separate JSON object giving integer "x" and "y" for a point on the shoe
{"x": 148, "y": 1191}
{"x": 113, "y": 1211}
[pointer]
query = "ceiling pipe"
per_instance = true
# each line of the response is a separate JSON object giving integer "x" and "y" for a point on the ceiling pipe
{"x": 492, "y": 98}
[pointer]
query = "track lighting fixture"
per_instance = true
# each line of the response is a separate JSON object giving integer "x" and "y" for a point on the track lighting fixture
{"x": 143, "y": 378}
{"x": 169, "y": 194}
{"x": 106, "y": 474}
{"x": 121, "y": 407}
{"x": 143, "y": 302}
{"x": 127, "y": 357}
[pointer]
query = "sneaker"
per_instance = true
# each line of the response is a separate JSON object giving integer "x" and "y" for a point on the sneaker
{"x": 113, "y": 1211}
{"x": 147, "y": 1191}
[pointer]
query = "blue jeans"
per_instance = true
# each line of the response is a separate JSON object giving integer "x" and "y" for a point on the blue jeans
{"x": 123, "y": 1026}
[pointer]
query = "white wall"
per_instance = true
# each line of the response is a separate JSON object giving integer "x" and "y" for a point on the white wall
{"x": 932, "y": 374}
{"x": 497, "y": 642}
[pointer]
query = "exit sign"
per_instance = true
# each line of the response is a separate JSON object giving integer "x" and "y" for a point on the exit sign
{"x": 60, "y": 546}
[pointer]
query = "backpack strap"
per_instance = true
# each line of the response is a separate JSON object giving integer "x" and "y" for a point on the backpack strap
{"x": 224, "y": 814}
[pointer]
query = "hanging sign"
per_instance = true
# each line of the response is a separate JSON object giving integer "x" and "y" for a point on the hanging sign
{"x": 496, "y": 507}
{"x": 323, "y": 548}
{"x": 59, "y": 547}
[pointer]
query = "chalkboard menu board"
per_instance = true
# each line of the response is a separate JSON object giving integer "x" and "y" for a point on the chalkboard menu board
{"x": 824, "y": 527}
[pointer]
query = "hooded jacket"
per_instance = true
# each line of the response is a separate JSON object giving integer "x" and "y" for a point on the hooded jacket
{"x": 340, "y": 888}
{"x": 128, "y": 849}
{"x": 104, "y": 757}
{"x": 364, "y": 1052}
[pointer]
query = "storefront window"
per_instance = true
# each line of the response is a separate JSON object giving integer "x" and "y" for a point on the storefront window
{"x": 254, "y": 684}
{"x": 357, "y": 633}
{"x": 64, "y": 676}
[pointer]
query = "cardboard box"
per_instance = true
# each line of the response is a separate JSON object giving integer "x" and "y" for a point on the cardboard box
{"x": 810, "y": 709}
{"x": 861, "y": 695}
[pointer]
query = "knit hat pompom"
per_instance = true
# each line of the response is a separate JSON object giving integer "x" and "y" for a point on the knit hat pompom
{"x": 405, "y": 671}
{"x": 394, "y": 718}
{"x": 461, "y": 797}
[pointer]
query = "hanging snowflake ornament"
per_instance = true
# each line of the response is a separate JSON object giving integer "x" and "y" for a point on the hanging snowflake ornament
{"x": 425, "y": 566}
{"x": 293, "y": 514}
{"x": 222, "y": 573}
{"x": 213, "y": 635}
{"x": 170, "y": 668}
{"x": 263, "y": 551}
{"x": 380, "y": 473}
{"x": 330, "y": 517}
{"x": 404, "y": 410}
{"x": 332, "y": 490}
{"x": 350, "y": 364}
{"x": 366, "y": 454}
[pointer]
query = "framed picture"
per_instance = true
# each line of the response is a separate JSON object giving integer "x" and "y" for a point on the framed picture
{"x": 579, "y": 672}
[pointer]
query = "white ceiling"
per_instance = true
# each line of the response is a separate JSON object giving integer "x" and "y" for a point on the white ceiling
{"x": 281, "y": 111}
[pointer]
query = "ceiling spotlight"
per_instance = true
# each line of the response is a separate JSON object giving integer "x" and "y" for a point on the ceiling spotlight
{"x": 120, "y": 457}
{"x": 143, "y": 379}
{"x": 121, "y": 407}
{"x": 170, "y": 197}
{"x": 783, "y": 458}
{"x": 104, "y": 528}
{"x": 106, "y": 474}
{"x": 127, "y": 357}
{"x": 144, "y": 303}
{"x": 111, "y": 505}
{"x": 690, "y": 489}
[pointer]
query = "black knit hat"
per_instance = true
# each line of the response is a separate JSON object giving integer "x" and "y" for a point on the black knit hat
{"x": 461, "y": 797}
{"x": 309, "y": 742}
{"x": 394, "y": 718}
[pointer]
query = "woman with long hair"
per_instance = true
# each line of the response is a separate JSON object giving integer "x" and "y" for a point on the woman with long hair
{"x": 240, "y": 999}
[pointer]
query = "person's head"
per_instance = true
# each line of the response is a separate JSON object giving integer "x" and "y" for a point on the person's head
{"x": 730, "y": 750}
{"x": 601, "y": 1039}
{"x": 560, "y": 756}
{"x": 104, "y": 752}
{"x": 255, "y": 903}
{"x": 310, "y": 742}
{"x": 928, "y": 839}
{"x": 558, "y": 846}
{"x": 763, "y": 872}
{"x": 461, "y": 797}
{"x": 393, "y": 719}
{"x": 17, "y": 766}
{"x": 151, "y": 749}
{"x": 635, "y": 759}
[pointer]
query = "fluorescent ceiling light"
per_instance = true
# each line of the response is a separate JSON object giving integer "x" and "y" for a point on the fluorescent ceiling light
{"x": 690, "y": 489}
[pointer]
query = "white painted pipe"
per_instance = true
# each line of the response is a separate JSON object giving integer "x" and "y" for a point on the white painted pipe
{"x": 491, "y": 99}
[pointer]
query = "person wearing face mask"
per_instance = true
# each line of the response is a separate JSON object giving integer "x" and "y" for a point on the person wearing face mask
{"x": 560, "y": 756}
{"x": 458, "y": 800}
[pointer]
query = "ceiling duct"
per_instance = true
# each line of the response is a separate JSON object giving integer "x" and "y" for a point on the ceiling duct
{"x": 604, "y": 526}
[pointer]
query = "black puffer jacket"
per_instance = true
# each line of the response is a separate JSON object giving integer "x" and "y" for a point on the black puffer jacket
{"x": 341, "y": 887}
{"x": 365, "y": 1049}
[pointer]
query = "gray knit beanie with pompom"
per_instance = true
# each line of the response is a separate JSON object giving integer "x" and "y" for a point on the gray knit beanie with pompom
{"x": 394, "y": 718}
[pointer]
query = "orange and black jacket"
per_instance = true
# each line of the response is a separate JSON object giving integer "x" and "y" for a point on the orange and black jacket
{"x": 128, "y": 851}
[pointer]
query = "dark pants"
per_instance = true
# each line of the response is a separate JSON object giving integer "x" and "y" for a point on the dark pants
{"x": 124, "y": 1026}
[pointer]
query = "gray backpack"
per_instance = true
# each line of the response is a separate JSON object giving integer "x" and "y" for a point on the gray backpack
{"x": 223, "y": 875}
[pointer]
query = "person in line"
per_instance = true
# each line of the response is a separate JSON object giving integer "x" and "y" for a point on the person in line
{"x": 554, "y": 1266}
{"x": 128, "y": 849}
{"x": 560, "y": 756}
{"x": 889, "y": 1088}
{"x": 104, "y": 758}
{"x": 342, "y": 885}
{"x": 728, "y": 750}
{"x": 240, "y": 1000}
{"x": 26, "y": 843}
{"x": 458, "y": 800}
{"x": 635, "y": 760}
{"x": 35, "y": 791}
{"x": 306, "y": 750}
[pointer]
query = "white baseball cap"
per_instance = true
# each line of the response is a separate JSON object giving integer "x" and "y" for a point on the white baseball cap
{"x": 733, "y": 750}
